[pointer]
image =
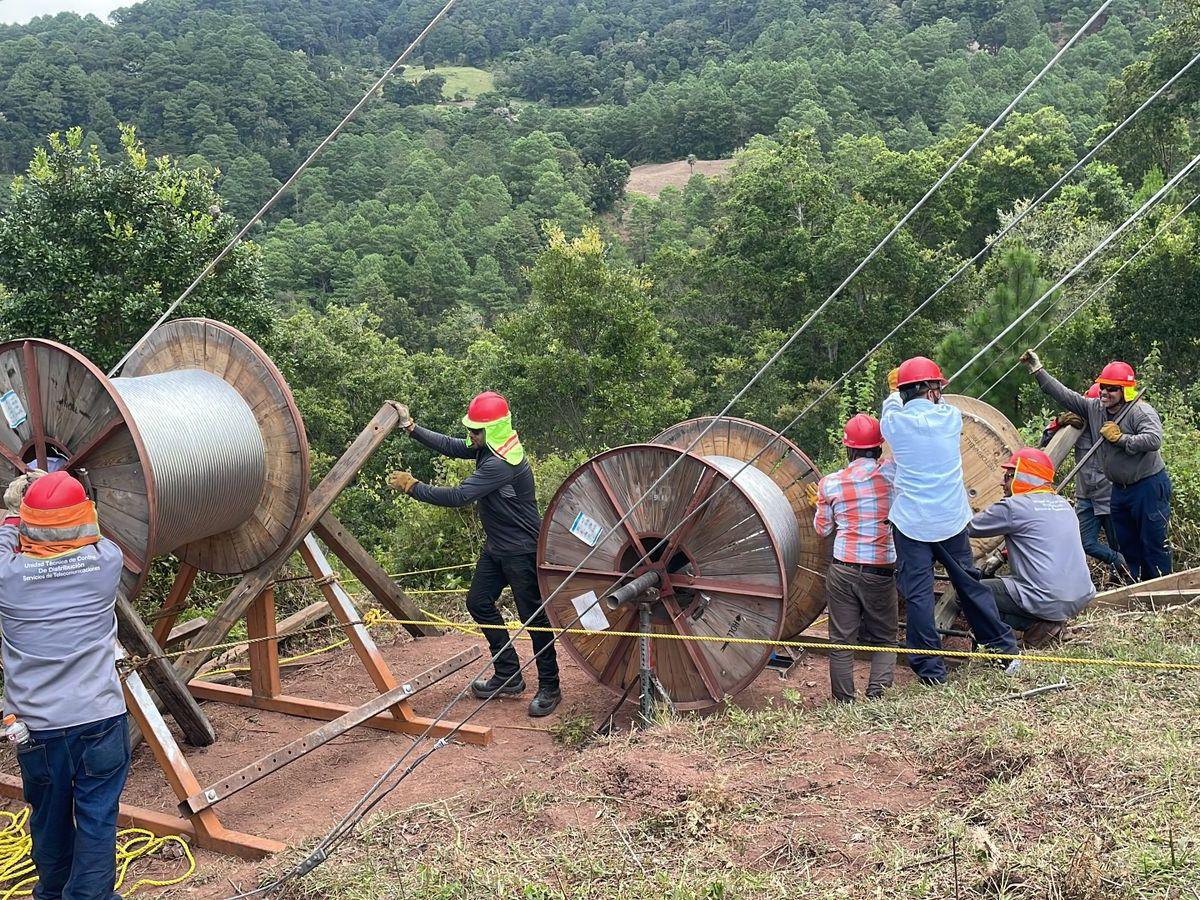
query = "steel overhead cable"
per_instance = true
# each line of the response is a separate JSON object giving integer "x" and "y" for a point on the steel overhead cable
{"x": 1079, "y": 266}
{"x": 1086, "y": 300}
{"x": 991, "y": 244}
{"x": 286, "y": 186}
{"x": 364, "y": 804}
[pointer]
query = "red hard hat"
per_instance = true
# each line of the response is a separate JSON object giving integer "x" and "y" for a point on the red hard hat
{"x": 485, "y": 409}
{"x": 1117, "y": 373}
{"x": 1093, "y": 392}
{"x": 919, "y": 368}
{"x": 57, "y": 490}
{"x": 862, "y": 432}
{"x": 1035, "y": 460}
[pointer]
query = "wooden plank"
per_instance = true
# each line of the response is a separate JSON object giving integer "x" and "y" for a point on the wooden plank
{"x": 207, "y": 828}
{"x": 176, "y": 602}
{"x": 478, "y": 735}
{"x": 340, "y": 475}
{"x": 1123, "y": 597}
{"x": 34, "y": 398}
{"x": 167, "y": 684}
{"x": 184, "y": 631}
{"x": 263, "y": 647}
{"x": 297, "y": 621}
{"x": 363, "y": 566}
{"x": 289, "y": 753}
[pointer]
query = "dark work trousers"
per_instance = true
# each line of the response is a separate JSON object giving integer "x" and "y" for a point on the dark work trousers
{"x": 914, "y": 577}
{"x": 1011, "y": 612}
{"x": 519, "y": 572}
{"x": 72, "y": 779}
{"x": 862, "y": 610}
{"x": 1090, "y": 525}
{"x": 1141, "y": 512}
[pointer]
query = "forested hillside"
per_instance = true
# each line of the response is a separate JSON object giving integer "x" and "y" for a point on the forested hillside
{"x": 467, "y": 237}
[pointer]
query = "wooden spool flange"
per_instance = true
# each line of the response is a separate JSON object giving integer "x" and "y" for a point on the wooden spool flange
{"x": 737, "y": 585}
{"x": 74, "y": 411}
{"x": 988, "y": 439}
{"x": 791, "y": 469}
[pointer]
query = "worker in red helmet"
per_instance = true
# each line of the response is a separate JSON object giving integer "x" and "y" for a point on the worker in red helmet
{"x": 502, "y": 487}
{"x": 929, "y": 516}
{"x": 860, "y": 586}
{"x": 58, "y": 595}
{"x": 1049, "y": 581}
{"x": 1093, "y": 494}
{"x": 1130, "y": 458}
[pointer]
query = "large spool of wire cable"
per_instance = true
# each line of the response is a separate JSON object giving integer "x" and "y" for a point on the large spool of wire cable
{"x": 197, "y": 450}
{"x": 725, "y": 543}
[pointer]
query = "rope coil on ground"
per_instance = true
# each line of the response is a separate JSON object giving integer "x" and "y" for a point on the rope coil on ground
{"x": 18, "y": 875}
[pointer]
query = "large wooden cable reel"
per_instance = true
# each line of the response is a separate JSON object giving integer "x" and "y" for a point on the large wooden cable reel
{"x": 727, "y": 572}
{"x": 198, "y": 449}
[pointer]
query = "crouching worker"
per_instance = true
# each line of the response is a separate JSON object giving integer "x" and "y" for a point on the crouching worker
{"x": 860, "y": 587}
{"x": 502, "y": 485}
{"x": 1049, "y": 582}
{"x": 58, "y": 591}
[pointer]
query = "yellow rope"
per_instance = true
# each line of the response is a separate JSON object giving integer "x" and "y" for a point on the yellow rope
{"x": 16, "y": 861}
{"x": 867, "y": 648}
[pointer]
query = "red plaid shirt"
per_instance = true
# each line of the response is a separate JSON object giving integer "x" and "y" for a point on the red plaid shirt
{"x": 855, "y": 501}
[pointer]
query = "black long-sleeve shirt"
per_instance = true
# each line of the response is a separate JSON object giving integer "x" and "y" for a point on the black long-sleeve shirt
{"x": 505, "y": 494}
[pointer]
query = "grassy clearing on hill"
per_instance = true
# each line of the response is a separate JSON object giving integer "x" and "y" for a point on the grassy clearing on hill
{"x": 1085, "y": 794}
{"x": 468, "y": 80}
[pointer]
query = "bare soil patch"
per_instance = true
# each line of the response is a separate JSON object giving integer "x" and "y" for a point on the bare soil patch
{"x": 650, "y": 179}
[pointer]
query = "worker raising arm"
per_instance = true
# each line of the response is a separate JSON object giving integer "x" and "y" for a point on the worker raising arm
{"x": 502, "y": 485}
{"x": 1129, "y": 452}
{"x": 58, "y": 593}
{"x": 930, "y": 513}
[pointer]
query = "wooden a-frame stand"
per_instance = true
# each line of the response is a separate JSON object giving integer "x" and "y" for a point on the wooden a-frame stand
{"x": 254, "y": 599}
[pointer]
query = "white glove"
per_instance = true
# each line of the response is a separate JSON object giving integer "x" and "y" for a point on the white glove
{"x": 1031, "y": 361}
{"x": 406, "y": 421}
{"x": 15, "y": 492}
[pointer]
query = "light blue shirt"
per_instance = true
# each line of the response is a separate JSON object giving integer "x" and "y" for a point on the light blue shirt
{"x": 929, "y": 499}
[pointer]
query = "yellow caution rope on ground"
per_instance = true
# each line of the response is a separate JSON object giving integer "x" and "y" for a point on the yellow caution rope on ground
{"x": 17, "y": 873}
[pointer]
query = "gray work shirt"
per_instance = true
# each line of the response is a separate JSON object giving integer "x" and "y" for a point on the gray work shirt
{"x": 60, "y": 634}
{"x": 1091, "y": 483}
{"x": 1136, "y": 455}
{"x": 1049, "y": 576}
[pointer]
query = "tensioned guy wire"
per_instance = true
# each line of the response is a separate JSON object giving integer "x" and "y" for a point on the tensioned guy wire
{"x": 365, "y": 804}
{"x": 1163, "y": 229}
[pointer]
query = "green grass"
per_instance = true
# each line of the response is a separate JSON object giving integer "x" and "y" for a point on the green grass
{"x": 468, "y": 80}
{"x": 1087, "y": 794}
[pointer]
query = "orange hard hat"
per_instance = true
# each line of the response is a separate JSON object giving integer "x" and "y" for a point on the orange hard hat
{"x": 1093, "y": 393}
{"x": 58, "y": 490}
{"x": 862, "y": 433}
{"x": 1031, "y": 456}
{"x": 917, "y": 369}
{"x": 1117, "y": 373}
{"x": 485, "y": 409}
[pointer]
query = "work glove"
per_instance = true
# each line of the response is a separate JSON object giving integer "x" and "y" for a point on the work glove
{"x": 1071, "y": 420}
{"x": 810, "y": 491}
{"x": 1111, "y": 432}
{"x": 15, "y": 492}
{"x": 402, "y": 481}
{"x": 406, "y": 420}
{"x": 1031, "y": 361}
{"x": 894, "y": 380}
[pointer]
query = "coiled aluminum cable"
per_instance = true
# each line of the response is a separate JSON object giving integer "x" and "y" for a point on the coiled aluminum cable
{"x": 205, "y": 450}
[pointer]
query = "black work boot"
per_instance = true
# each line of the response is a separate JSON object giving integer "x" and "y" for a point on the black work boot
{"x": 498, "y": 686}
{"x": 547, "y": 700}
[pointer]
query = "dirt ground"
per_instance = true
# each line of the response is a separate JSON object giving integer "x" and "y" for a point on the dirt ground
{"x": 651, "y": 179}
{"x": 300, "y": 803}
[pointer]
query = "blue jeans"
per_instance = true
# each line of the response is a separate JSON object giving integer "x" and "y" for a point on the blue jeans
{"x": 1089, "y": 530}
{"x": 914, "y": 580}
{"x": 1141, "y": 512}
{"x": 72, "y": 778}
